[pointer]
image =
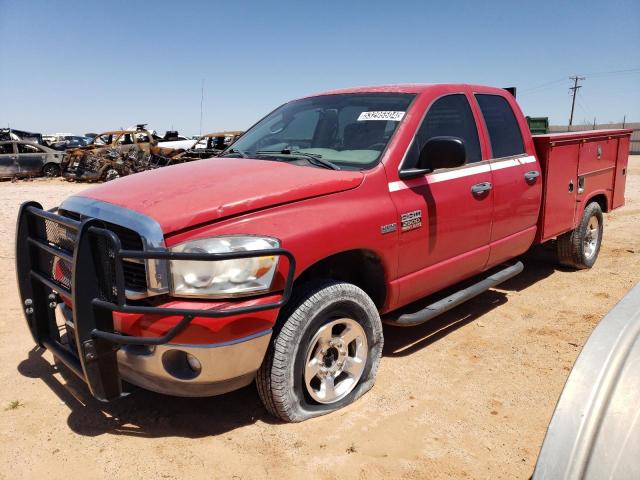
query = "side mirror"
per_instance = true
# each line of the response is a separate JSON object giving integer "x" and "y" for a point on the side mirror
{"x": 442, "y": 152}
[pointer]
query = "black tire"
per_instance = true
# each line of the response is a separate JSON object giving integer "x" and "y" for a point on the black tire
{"x": 579, "y": 248}
{"x": 280, "y": 380}
{"x": 51, "y": 170}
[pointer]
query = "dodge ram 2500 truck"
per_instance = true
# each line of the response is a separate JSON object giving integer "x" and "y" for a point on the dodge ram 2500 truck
{"x": 277, "y": 261}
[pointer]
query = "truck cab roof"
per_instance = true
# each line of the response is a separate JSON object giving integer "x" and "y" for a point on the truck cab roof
{"x": 414, "y": 88}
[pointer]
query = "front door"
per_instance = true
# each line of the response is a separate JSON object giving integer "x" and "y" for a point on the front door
{"x": 30, "y": 159}
{"x": 8, "y": 160}
{"x": 444, "y": 216}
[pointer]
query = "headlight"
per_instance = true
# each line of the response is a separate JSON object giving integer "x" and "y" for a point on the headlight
{"x": 223, "y": 278}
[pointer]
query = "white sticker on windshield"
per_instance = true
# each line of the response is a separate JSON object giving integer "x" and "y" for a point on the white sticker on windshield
{"x": 386, "y": 116}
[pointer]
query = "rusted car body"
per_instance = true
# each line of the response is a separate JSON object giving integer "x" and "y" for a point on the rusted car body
{"x": 116, "y": 154}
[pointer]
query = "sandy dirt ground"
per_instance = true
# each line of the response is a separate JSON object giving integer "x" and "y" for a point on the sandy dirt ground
{"x": 468, "y": 395}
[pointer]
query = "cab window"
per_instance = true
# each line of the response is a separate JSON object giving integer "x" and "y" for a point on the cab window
{"x": 125, "y": 139}
{"x": 504, "y": 132}
{"x": 25, "y": 148}
{"x": 104, "y": 139}
{"x": 449, "y": 116}
{"x": 6, "y": 149}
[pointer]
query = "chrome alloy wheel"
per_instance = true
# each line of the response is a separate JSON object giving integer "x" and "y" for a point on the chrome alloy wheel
{"x": 335, "y": 360}
{"x": 591, "y": 237}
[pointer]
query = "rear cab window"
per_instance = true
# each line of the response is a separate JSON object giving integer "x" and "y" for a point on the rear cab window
{"x": 502, "y": 126}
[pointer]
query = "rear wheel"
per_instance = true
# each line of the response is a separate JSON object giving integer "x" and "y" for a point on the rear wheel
{"x": 324, "y": 355}
{"x": 51, "y": 170}
{"x": 580, "y": 247}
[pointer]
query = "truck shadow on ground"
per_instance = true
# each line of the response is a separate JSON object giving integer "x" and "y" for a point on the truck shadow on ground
{"x": 539, "y": 263}
{"x": 150, "y": 415}
{"x": 144, "y": 413}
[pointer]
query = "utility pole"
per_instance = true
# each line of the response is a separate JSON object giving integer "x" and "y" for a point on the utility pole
{"x": 575, "y": 88}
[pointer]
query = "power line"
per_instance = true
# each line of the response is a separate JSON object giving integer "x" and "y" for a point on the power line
{"x": 613, "y": 72}
{"x": 575, "y": 88}
{"x": 553, "y": 82}
{"x": 594, "y": 74}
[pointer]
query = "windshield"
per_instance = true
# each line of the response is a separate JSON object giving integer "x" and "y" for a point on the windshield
{"x": 347, "y": 130}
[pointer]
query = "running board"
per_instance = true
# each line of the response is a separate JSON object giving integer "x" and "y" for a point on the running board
{"x": 457, "y": 298}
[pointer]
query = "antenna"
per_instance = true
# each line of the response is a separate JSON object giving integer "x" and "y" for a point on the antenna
{"x": 201, "y": 102}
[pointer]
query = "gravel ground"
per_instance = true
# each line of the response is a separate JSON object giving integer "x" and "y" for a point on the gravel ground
{"x": 468, "y": 395}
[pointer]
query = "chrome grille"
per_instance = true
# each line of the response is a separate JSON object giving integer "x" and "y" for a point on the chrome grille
{"x": 135, "y": 272}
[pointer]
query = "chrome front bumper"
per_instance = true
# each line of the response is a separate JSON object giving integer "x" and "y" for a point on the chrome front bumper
{"x": 224, "y": 367}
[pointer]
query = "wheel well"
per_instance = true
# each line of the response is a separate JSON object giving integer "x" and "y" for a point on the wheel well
{"x": 600, "y": 199}
{"x": 363, "y": 268}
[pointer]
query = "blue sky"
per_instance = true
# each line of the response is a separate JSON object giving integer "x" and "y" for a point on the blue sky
{"x": 91, "y": 66}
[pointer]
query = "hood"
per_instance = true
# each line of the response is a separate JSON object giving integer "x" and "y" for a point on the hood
{"x": 203, "y": 191}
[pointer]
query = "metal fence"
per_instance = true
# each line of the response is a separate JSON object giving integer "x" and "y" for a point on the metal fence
{"x": 634, "y": 148}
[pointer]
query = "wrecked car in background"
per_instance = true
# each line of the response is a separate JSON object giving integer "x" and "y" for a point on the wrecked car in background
{"x": 28, "y": 159}
{"x": 115, "y": 154}
{"x": 207, "y": 146}
{"x": 7, "y": 134}
{"x": 62, "y": 142}
{"x": 211, "y": 145}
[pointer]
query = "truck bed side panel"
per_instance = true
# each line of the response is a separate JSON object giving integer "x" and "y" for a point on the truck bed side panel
{"x": 621, "y": 173}
{"x": 559, "y": 168}
{"x": 596, "y": 171}
{"x": 578, "y": 166}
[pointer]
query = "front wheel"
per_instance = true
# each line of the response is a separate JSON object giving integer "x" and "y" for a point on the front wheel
{"x": 579, "y": 248}
{"x": 51, "y": 170}
{"x": 325, "y": 354}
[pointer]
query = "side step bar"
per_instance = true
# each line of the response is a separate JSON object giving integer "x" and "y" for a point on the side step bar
{"x": 457, "y": 298}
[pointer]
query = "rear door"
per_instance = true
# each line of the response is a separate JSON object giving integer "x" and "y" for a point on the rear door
{"x": 30, "y": 159}
{"x": 8, "y": 160}
{"x": 517, "y": 180}
{"x": 444, "y": 226}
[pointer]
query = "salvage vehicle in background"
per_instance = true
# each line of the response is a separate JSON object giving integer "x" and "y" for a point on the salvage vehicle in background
{"x": 211, "y": 145}
{"x": 279, "y": 260}
{"x": 112, "y": 155}
{"x": 172, "y": 139}
{"x": 28, "y": 159}
{"x": 13, "y": 134}
{"x": 68, "y": 142}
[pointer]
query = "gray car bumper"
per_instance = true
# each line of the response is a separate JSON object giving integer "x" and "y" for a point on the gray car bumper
{"x": 189, "y": 370}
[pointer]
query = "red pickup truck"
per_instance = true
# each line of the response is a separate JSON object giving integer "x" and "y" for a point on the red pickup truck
{"x": 278, "y": 261}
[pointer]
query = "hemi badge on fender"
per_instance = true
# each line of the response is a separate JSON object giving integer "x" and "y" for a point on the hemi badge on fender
{"x": 411, "y": 220}
{"x": 388, "y": 228}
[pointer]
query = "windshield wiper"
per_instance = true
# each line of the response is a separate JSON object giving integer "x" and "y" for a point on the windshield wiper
{"x": 235, "y": 151}
{"x": 314, "y": 158}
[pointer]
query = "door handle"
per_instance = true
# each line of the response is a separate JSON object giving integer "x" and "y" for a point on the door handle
{"x": 531, "y": 177}
{"x": 480, "y": 189}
